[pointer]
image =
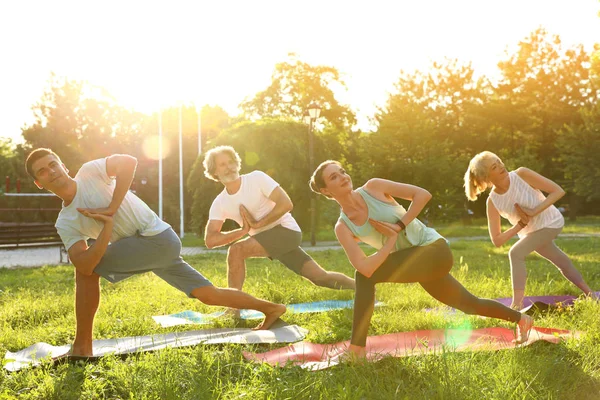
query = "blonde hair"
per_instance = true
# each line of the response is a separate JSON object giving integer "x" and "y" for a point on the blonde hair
{"x": 476, "y": 177}
{"x": 209, "y": 162}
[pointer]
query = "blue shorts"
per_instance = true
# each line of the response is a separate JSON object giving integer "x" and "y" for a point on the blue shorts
{"x": 159, "y": 254}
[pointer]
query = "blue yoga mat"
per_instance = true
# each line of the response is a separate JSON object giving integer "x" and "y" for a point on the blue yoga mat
{"x": 194, "y": 317}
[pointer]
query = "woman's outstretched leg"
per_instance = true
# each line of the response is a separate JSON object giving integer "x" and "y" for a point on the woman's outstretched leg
{"x": 556, "y": 256}
{"x": 451, "y": 292}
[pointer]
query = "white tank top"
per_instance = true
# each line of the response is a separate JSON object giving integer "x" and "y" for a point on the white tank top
{"x": 522, "y": 193}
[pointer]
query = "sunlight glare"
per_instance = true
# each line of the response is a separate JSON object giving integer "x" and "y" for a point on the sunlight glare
{"x": 150, "y": 147}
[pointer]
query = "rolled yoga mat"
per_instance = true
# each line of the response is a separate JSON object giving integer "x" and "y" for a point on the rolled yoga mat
{"x": 33, "y": 355}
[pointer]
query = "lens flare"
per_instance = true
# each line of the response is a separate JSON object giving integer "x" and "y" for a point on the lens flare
{"x": 150, "y": 147}
{"x": 459, "y": 335}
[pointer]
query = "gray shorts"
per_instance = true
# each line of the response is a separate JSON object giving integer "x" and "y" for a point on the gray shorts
{"x": 159, "y": 254}
{"x": 283, "y": 244}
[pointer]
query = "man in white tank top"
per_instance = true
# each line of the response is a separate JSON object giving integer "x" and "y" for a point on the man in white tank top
{"x": 517, "y": 196}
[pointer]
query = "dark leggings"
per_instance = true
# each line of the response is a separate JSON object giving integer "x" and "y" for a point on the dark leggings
{"x": 429, "y": 266}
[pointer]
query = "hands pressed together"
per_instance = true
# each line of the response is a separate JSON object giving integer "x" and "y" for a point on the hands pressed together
{"x": 249, "y": 221}
{"x": 387, "y": 229}
{"x": 525, "y": 214}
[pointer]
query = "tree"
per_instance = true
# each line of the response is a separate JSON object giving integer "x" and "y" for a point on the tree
{"x": 542, "y": 88}
{"x": 579, "y": 146}
{"x": 294, "y": 85}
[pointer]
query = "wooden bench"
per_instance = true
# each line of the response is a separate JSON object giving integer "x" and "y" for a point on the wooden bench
{"x": 28, "y": 235}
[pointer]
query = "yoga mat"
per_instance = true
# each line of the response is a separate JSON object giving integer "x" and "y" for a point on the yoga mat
{"x": 314, "y": 357}
{"x": 280, "y": 332}
{"x": 193, "y": 317}
{"x": 529, "y": 302}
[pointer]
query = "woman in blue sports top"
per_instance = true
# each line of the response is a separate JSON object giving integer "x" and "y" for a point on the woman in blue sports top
{"x": 408, "y": 251}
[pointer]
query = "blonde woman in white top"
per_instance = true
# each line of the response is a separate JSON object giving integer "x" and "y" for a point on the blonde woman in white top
{"x": 517, "y": 196}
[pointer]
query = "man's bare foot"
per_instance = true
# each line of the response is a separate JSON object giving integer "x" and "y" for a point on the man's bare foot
{"x": 79, "y": 350}
{"x": 271, "y": 316}
{"x": 523, "y": 328}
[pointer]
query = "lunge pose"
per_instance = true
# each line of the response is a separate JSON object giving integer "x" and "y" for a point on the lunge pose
{"x": 517, "y": 196}
{"x": 129, "y": 239}
{"x": 262, "y": 208}
{"x": 408, "y": 251}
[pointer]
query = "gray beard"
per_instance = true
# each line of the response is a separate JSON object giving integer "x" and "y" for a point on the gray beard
{"x": 230, "y": 178}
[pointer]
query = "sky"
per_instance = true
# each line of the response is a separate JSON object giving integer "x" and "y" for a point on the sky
{"x": 151, "y": 54}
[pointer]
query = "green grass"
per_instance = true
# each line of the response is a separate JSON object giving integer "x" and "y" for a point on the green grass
{"x": 37, "y": 305}
{"x": 478, "y": 227}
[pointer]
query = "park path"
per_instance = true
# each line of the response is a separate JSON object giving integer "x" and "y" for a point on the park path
{"x": 35, "y": 257}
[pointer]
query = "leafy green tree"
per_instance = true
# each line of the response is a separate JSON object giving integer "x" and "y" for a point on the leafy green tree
{"x": 296, "y": 84}
{"x": 542, "y": 88}
{"x": 579, "y": 146}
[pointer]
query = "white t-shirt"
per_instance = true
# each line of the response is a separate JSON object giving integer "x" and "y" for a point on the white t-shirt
{"x": 254, "y": 194}
{"x": 95, "y": 190}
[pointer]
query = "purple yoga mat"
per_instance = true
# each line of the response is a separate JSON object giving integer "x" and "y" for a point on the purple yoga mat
{"x": 565, "y": 300}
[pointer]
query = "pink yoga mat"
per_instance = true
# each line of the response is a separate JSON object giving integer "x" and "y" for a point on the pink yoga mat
{"x": 318, "y": 356}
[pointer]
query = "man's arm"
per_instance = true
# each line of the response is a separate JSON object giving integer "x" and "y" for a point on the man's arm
{"x": 213, "y": 237}
{"x": 85, "y": 258}
{"x": 283, "y": 204}
{"x": 122, "y": 167}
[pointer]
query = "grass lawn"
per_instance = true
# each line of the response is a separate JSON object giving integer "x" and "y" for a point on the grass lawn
{"x": 478, "y": 227}
{"x": 37, "y": 305}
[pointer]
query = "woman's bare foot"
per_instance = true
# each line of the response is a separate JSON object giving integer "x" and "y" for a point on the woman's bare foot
{"x": 523, "y": 328}
{"x": 271, "y": 316}
{"x": 592, "y": 295}
{"x": 357, "y": 353}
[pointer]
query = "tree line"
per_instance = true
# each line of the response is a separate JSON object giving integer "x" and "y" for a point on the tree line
{"x": 543, "y": 112}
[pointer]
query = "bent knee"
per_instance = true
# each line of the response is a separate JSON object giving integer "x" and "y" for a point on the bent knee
{"x": 516, "y": 255}
{"x": 236, "y": 251}
{"x": 81, "y": 277}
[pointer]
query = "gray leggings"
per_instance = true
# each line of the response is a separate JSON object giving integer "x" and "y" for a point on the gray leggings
{"x": 542, "y": 242}
{"x": 429, "y": 266}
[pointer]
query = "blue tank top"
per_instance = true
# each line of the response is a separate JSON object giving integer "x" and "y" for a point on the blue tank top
{"x": 415, "y": 234}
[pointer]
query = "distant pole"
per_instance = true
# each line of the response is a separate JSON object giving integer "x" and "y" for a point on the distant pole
{"x": 310, "y": 118}
{"x": 199, "y": 131}
{"x": 160, "y": 157}
{"x": 313, "y": 196}
{"x": 181, "y": 228}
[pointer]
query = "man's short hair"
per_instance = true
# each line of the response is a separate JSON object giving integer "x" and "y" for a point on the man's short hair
{"x": 36, "y": 155}
{"x": 210, "y": 163}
